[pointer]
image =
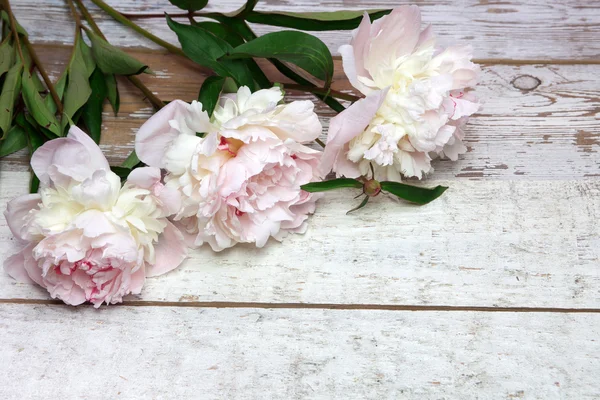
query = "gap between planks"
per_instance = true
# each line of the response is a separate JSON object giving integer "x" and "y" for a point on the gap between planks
{"x": 319, "y": 306}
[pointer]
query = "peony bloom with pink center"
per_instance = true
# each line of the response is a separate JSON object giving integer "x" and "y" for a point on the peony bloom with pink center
{"x": 239, "y": 172}
{"x": 86, "y": 237}
{"x": 416, "y": 100}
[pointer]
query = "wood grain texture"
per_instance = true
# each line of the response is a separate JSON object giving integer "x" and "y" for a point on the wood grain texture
{"x": 165, "y": 353}
{"x": 533, "y": 29}
{"x": 537, "y": 121}
{"x": 490, "y": 243}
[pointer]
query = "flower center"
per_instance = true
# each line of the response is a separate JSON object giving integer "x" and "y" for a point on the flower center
{"x": 230, "y": 145}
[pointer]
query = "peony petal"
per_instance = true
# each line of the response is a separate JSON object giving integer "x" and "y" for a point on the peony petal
{"x": 145, "y": 177}
{"x": 154, "y": 137}
{"x": 347, "y": 125}
{"x": 16, "y": 211}
{"x": 76, "y": 156}
{"x": 170, "y": 250}
{"x": 399, "y": 33}
{"x": 15, "y": 267}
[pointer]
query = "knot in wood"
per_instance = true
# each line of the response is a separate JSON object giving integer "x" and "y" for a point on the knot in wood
{"x": 526, "y": 82}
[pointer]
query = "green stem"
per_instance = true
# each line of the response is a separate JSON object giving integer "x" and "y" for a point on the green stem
{"x": 13, "y": 27}
{"x": 317, "y": 90}
{"x": 75, "y": 14}
{"x": 320, "y": 142}
{"x": 156, "y": 102}
{"x": 125, "y": 21}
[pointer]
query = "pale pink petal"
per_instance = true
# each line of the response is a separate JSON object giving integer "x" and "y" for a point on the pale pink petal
{"x": 400, "y": 32}
{"x": 145, "y": 177}
{"x": 17, "y": 210}
{"x": 170, "y": 251}
{"x": 155, "y": 136}
{"x": 73, "y": 157}
{"x": 15, "y": 267}
{"x": 347, "y": 125}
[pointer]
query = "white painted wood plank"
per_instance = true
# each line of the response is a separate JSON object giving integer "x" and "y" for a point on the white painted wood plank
{"x": 549, "y": 132}
{"x": 486, "y": 243}
{"x": 532, "y": 29}
{"x": 175, "y": 353}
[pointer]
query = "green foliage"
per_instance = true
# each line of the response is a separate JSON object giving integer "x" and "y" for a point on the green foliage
{"x": 315, "y": 21}
{"x": 299, "y": 48}
{"x": 414, "y": 194}
{"x": 209, "y": 93}
{"x": 202, "y": 47}
{"x": 92, "y": 110}
{"x": 331, "y": 185}
{"x": 112, "y": 60}
{"x": 190, "y": 5}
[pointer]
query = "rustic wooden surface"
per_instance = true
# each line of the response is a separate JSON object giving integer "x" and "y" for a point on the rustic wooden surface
{"x": 493, "y": 291}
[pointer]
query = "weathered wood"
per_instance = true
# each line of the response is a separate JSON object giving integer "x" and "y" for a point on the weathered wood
{"x": 168, "y": 353}
{"x": 489, "y": 243}
{"x": 533, "y": 29}
{"x": 537, "y": 122}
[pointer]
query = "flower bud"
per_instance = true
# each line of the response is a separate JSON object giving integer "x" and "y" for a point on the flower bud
{"x": 372, "y": 187}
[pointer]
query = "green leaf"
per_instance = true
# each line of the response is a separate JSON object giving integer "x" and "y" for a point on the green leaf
{"x": 315, "y": 21}
{"x": 39, "y": 86}
{"x": 36, "y": 106}
{"x": 299, "y": 48}
{"x": 131, "y": 161}
{"x": 87, "y": 57}
{"x": 223, "y": 31}
{"x": 210, "y": 92}
{"x": 78, "y": 88}
{"x": 414, "y": 194}
{"x": 59, "y": 86}
{"x": 361, "y": 205}
{"x": 205, "y": 49}
{"x": 34, "y": 140}
{"x": 14, "y": 140}
{"x": 8, "y": 97}
{"x": 122, "y": 172}
{"x": 331, "y": 184}
{"x": 112, "y": 60}
{"x": 189, "y": 5}
{"x": 6, "y": 20}
{"x": 112, "y": 92}
{"x": 92, "y": 110}
{"x": 7, "y": 56}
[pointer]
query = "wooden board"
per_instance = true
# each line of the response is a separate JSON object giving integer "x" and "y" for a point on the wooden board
{"x": 490, "y": 243}
{"x": 168, "y": 353}
{"x": 325, "y": 315}
{"x": 515, "y": 29}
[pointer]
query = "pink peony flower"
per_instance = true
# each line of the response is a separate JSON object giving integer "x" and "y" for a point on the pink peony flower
{"x": 87, "y": 238}
{"x": 239, "y": 172}
{"x": 415, "y": 106}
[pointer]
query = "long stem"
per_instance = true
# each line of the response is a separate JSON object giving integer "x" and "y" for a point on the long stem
{"x": 90, "y": 20}
{"x": 156, "y": 102}
{"x": 172, "y": 15}
{"x": 13, "y": 26}
{"x": 321, "y": 91}
{"x": 120, "y": 18}
{"x": 40, "y": 68}
{"x": 75, "y": 14}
